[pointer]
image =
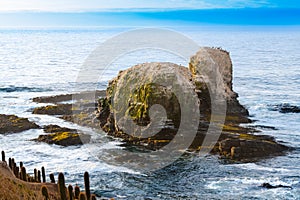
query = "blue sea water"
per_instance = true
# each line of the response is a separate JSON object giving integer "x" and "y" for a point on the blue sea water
{"x": 40, "y": 62}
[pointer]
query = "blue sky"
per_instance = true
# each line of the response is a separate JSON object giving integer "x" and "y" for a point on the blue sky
{"x": 95, "y": 5}
{"x": 56, "y": 13}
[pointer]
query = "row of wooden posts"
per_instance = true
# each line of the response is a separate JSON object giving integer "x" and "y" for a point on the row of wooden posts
{"x": 39, "y": 176}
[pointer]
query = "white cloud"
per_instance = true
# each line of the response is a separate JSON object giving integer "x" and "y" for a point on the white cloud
{"x": 86, "y": 5}
{"x": 77, "y": 5}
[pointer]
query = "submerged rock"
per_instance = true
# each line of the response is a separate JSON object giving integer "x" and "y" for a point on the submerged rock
{"x": 285, "y": 108}
{"x": 14, "y": 124}
{"x": 269, "y": 186}
{"x": 62, "y": 136}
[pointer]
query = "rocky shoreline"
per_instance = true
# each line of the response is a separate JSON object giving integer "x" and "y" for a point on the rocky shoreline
{"x": 136, "y": 91}
{"x": 236, "y": 142}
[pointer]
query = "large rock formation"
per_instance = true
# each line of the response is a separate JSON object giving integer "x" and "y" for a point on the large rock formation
{"x": 131, "y": 94}
{"x": 141, "y": 99}
{"x": 143, "y": 92}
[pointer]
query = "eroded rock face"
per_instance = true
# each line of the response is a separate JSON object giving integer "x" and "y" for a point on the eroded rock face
{"x": 212, "y": 74}
{"x": 209, "y": 65}
{"x": 131, "y": 95}
{"x": 14, "y": 124}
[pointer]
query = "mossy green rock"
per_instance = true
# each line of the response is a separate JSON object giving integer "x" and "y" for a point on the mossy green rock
{"x": 131, "y": 95}
{"x": 63, "y": 136}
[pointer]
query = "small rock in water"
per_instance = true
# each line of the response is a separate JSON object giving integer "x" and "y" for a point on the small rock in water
{"x": 285, "y": 108}
{"x": 52, "y": 128}
{"x": 269, "y": 186}
{"x": 62, "y": 136}
{"x": 60, "y": 109}
{"x": 14, "y": 124}
{"x": 68, "y": 97}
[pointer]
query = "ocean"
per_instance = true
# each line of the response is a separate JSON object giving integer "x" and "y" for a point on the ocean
{"x": 266, "y": 63}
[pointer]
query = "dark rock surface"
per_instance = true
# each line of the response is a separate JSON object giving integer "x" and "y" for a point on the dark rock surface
{"x": 285, "y": 108}
{"x": 62, "y": 136}
{"x": 269, "y": 186}
{"x": 249, "y": 148}
{"x": 14, "y": 124}
{"x": 60, "y": 109}
{"x": 52, "y": 128}
{"x": 81, "y": 111}
{"x": 66, "y": 97}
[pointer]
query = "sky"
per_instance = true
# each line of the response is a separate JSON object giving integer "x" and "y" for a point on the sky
{"x": 56, "y": 13}
{"x": 98, "y": 5}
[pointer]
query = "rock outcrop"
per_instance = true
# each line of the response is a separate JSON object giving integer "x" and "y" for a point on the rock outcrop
{"x": 62, "y": 136}
{"x": 248, "y": 148}
{"x": 67, "y": 97}
{"x": 285, "y": 108}
{"x": 81, "y": 112}
{"x": 143, "y": 105}
{"x": 131, "y": 95}
{"x": 212, "y": 73}
{"x": 59, "y": 109}
{"x": 14, "y": 124}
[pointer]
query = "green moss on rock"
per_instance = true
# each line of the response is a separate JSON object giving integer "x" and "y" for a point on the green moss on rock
{"x": 63, "y": 136}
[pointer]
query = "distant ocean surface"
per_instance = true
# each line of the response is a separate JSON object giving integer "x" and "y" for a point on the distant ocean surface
{"x": 40, "y": 62}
